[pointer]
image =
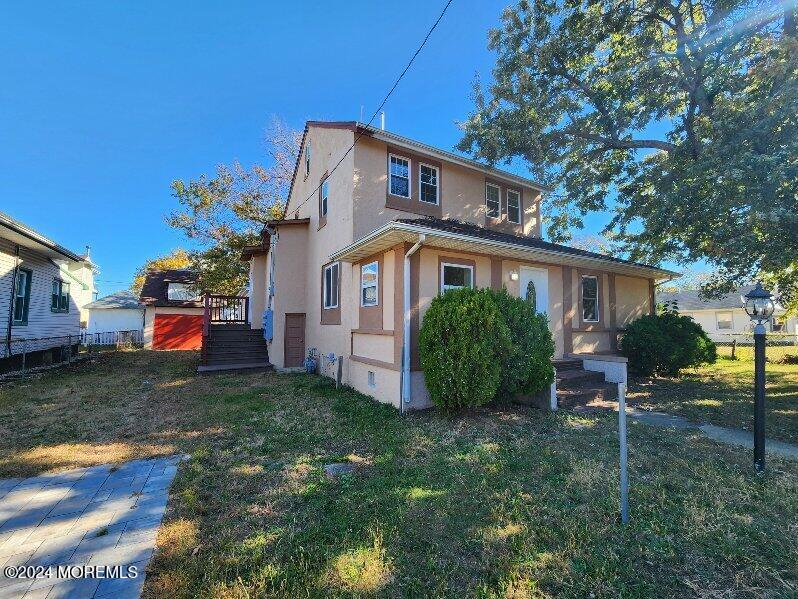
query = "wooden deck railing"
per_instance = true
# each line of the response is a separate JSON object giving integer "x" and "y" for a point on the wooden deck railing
{"x": 221, "y": 309}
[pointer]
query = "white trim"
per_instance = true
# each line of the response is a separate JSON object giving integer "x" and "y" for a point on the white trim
{"x": 453, "y": 265}
{"x": 409, "y": 176}
{"x": 499, "y": 190}
{"x": 582, "y": 297}
{"x": 572, "y": 259}
{"x": 376, "y": 264}
{"x": 437, "y": 184}
{"x": 337, "y": 286}
{"x": 520, "y": 215}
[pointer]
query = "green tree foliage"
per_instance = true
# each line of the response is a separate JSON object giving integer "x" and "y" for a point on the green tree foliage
{"x": 684, "y": 112}
{"x": 666, "y": 343}
{"x": 224, "y": 213}
{"x": 463, "y": 343}
{"x": 527, "y": 367}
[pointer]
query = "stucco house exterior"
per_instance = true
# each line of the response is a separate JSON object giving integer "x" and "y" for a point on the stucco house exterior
{"x": 724, "y": 318}
{"x": 120, "y": 311}
{"x": 44, "y": 289}
{"x": 367, "y": 243}
{"x": 173, "y": 310}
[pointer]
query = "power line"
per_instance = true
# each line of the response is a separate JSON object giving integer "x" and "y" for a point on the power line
{"x": 379, "y": 108}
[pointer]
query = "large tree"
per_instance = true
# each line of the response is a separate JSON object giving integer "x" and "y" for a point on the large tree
{"x": 679, "y": 115}
{"x": 226, "y": 212}
{"x": 176, "y": 259}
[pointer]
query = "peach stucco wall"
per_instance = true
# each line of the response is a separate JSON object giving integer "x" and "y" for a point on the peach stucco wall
{"x": 632, "y": 299}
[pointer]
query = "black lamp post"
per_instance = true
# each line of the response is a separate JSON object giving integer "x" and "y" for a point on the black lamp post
{"x": 759, "y": 306}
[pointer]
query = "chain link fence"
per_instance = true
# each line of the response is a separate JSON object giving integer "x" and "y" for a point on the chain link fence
{"x": 779, "y": 347}
{"x": 22, "y": 355}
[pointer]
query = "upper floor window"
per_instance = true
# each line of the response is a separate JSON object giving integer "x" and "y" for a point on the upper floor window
{"x": 307, "y": 158}
{"x": 590, "y": 300}
{"x": 22, "y": 296}
{"x": 513, "y": 206}
{"x": 493, "y": 204}
{"x": 330, "y": 291}
{"x": 456, "y": 276}
{"x": 181, "y": 292}
{"x": 325, "y": 194}
{"x": 369, "y": 284}
{"x": 399, "y": 176}
{"x": 428, "y": 184}
{"x": 60, "y": 298}
{"x": 724, "y": 320}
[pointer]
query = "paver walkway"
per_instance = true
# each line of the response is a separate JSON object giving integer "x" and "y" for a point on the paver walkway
{"x": 70, "y": 528}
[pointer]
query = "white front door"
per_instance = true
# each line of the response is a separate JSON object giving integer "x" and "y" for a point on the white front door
{"x": 539, "y": 277}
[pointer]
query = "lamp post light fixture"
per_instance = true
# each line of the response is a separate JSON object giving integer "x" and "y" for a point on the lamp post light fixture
{"x": 759, "y": 306}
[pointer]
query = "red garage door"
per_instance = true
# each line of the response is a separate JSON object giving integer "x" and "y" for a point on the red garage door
{"x": 177, "y": 331}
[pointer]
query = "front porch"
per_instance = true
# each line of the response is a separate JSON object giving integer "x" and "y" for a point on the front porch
{"x": 228, "y": 340}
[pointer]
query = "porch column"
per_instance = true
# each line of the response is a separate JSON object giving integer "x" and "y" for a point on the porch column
{"x": 613, "y": 324}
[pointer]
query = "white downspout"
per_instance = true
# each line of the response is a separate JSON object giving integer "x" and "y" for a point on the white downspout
{"x": 272, "y": 246}
{"x": 406, "y": 325}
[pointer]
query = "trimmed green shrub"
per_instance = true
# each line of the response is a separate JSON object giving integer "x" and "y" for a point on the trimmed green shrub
{"x": 463, "y": 344}
{"x": 666, "y": 343}
{"x": 527, "y": 368}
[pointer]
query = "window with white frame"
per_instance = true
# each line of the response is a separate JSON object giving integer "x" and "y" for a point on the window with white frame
{"x": 590, "y": 299}
{"x": 22, "y": 296}
{"x": 456, "y": 276}
{"x": 331, "y": 286}
{"x": 493, "y": 202}
{"x": 724, "y": 321}
{"x": 369, "y": 284}
{"x": 325, "y": 196}
{"x": 399, "y": 171}
{"x": 513, "y": 206}
{"x": 307, "y": 158}
{"x": 60, "y": 298}
{"x": 428, "y": 184}
{"x": 181, "y": 292}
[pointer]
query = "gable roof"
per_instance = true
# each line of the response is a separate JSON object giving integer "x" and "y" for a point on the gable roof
{"x": 126, "y": 300}
{"x": 399, "y": 140}
{"x": 691, "y": 300}
{"x": 458, "y": 235}
{"x": 156, "y": 285}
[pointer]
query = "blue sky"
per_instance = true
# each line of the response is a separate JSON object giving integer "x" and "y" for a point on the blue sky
{"x": 103, "y": 104}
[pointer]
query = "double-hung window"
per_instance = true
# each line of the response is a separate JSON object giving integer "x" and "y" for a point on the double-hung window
{"x": 493, "y": 203}
{"x": 590, "y": 299}
{"x": 399, "y": 174}
{"x": 428, "y": 183}
{"x": 456, "y": 276}
{"x": 325, "y": 196}
{"x": 60, "y": 298}
{"x": 22, "y": 296}
{"x": 369, "y": 284}
{"x": 513, "y": 206}
{"x": 330, "y": 293}
{"x": 724, "y": 321}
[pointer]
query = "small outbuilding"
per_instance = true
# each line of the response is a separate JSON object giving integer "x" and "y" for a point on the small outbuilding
{"x": 173, "y": 310}
{"x": 120, "y": 311}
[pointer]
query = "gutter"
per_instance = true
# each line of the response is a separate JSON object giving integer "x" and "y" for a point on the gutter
{"x": 19, "y": 228}
{"x": 421, "y": 230}
{"x": 406, "y": 325}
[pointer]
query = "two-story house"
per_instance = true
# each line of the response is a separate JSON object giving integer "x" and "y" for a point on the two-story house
{"x": 44, "y": 289}
{"x": 353, "y": 267}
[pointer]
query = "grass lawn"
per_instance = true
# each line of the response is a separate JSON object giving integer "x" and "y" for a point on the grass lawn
{"x": 499, "y": 502}
{"x": 723, "y": 394}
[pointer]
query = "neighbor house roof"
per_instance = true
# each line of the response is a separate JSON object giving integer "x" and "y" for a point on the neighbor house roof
{"x": 691, "y": 300}
{"x": 457, "y": 235}
{"x": 22, "y": 234}
{"x": 126, "y": 300}
{"x": 406, "y": 142}
{"x": 156, "y": 286}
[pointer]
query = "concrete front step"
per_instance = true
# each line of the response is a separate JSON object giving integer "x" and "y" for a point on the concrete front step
{"x": 583, "y": 396}
{"x": 563, "y": 365}
{"x": 574, "y": 379}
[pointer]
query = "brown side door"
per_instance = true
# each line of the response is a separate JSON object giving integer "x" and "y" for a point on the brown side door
{"x": 294, "y": 340}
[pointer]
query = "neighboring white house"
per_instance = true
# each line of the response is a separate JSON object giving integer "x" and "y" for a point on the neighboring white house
{"x": 43, "y": 289}
{"x": 725, "y": 319}
{"x": 120, "y": 311}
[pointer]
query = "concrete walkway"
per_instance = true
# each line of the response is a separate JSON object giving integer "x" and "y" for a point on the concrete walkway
{"x": 729, "y": 436}
{"x": 70, "y": 529}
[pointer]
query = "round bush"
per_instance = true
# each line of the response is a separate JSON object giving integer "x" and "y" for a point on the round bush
{"x": 666, "y": 343}
{"x": 463, "y": 344}
{"x": 527, "y": 367}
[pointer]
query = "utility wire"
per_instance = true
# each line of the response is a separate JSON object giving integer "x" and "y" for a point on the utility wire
{"x": 376, "y": 112}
